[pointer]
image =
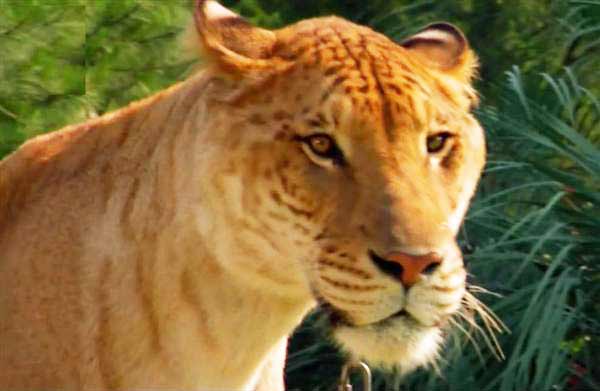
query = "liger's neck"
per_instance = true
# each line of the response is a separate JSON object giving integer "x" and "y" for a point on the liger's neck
{"x": 201, "y": 316}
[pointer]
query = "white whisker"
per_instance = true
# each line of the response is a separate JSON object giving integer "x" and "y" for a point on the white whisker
{"x": 493, "y": 325}
{"x": 467, "y": 334}
{"x": 479, "y": 289}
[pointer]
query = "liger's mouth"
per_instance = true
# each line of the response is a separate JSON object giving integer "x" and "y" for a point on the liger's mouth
{"x": 401, "y": 315}
{"x": 337, "y": 318}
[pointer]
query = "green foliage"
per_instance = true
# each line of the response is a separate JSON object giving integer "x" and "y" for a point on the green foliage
{"x": 130, "y": 50}
{"x": 66, "y": 61}
{"x": 531, "y": 235}
{"x": 41, "y": 62}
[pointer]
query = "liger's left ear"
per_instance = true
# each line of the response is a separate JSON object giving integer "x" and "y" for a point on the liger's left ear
{"x": 232, "y": 42}
{"x": 444, "y": 47}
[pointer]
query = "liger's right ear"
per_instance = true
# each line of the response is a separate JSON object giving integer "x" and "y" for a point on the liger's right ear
{"x": 444, "y": 47}
{"x": 231, "y": 41}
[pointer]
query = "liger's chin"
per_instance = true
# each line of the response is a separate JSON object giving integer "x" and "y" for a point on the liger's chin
{"x": 398, "y": 342}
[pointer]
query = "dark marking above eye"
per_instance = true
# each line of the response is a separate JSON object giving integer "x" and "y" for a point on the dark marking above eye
{"x": 314, "y": 123}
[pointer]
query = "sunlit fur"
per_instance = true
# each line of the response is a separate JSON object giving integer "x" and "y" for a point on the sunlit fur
{"x": 177, "y": 243}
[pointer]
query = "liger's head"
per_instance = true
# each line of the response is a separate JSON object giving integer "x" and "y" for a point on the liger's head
{"x": 361, "y": 157}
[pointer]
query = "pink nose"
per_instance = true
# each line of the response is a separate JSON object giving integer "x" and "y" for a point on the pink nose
{"x": 413, "y": 266}
{"x": 406, "y": 267}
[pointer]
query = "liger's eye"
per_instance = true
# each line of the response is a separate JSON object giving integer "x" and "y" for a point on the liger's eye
{"x": 436, "y": 142}
{"x": 322, "y": 145}
{"x": 323, "y": 148}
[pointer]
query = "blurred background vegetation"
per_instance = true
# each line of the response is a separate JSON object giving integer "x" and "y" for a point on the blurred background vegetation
{"x": 532, "y": 235}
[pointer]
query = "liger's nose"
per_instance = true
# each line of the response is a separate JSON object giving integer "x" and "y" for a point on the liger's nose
{"x": 407, "y": 268}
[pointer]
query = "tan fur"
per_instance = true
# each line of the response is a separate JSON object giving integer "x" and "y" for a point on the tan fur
{"x": 176, "y": 243}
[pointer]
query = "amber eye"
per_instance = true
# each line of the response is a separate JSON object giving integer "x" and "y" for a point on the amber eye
{"x": 436, "y": 142}
{"x": 322, "y": 146}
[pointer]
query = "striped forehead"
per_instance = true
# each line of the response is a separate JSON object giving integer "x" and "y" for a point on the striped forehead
{"x": 386, "y": 87}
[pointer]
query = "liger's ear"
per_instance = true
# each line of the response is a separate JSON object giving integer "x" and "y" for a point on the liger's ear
{"x": 227, "y": 38}
{"x": 444, "y": 47}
